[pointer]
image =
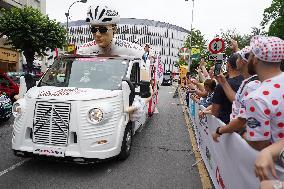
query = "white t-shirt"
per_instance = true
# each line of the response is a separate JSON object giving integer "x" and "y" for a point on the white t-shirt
{"x": 238, "y": 108}
{"x": 117, "y": 47}
{"x": 265, "y": 111}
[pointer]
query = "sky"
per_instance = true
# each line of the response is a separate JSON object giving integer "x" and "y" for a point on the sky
{"x": 210, "y": 16}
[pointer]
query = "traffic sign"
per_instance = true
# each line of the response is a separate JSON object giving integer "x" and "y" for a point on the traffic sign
{"x": 184, "y": 53}
{"x": 220, "y": 56}
{"x": 216, "y": 46}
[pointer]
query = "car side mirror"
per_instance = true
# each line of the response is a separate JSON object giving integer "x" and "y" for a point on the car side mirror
{"x": 144, "y": 89}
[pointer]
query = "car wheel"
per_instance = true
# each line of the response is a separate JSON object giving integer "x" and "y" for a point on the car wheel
{"x": 126, "y": 143}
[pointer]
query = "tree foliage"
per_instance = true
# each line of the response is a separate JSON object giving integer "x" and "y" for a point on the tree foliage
{"x": 30, "y": 32}
{"x": 243, "y": 40}
{"x": 274, "y": 15}
{"x": 197, "y": 41}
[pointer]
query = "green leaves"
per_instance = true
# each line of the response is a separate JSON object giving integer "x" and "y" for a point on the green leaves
{"x": 198, "y": 41}
{"x": 29, "y": 28}
{"x": 274, "y": 15}
{"x": 29, "y": 31}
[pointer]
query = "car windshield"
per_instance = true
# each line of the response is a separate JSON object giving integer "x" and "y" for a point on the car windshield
{"x": 96, "y": 73}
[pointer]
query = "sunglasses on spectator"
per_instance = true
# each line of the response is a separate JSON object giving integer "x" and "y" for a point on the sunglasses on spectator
{"x": 100, "y": 29}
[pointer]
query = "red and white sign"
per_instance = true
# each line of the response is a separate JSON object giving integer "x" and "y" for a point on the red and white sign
{"x": 184, "y": 53}
{"x": 216, "y": 46}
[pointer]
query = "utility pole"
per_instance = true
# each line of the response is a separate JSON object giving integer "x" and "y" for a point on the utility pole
{"x": 190, "y": 38}
{"x": 67, "y": 16}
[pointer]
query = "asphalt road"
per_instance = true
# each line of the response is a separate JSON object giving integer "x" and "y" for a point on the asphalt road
{"x": 160, "y": 158}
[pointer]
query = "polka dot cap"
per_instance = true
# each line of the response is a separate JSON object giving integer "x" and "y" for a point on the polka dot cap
{"x": 244, "y": 51}
{"x": 268, "y": 49}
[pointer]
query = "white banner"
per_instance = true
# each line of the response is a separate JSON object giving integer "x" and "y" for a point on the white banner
{"x": 230, "y": 162}
{"x": 160, "y": 69}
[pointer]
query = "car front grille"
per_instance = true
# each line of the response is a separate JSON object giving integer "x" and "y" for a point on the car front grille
{"x": 51, "y": 123}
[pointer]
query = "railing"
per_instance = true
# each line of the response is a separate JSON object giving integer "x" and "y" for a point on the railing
{"x": 230, "y": 162}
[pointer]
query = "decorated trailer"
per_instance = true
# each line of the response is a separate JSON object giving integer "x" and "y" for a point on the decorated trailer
{"x": 79, "y": 109}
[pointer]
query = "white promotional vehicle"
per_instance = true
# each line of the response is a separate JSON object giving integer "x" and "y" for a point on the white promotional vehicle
{"x": 77, "y": 110}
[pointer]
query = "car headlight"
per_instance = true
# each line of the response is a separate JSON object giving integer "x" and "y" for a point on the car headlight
{"x": 96, "y": 115}
{"x": 17, "y": 110}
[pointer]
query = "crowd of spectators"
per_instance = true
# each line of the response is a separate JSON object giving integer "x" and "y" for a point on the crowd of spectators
{"x": 248, "y": 96}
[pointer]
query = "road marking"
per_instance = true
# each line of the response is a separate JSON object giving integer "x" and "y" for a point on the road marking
{"x": 205, "y": 180}
{"x": 13, "y": 167}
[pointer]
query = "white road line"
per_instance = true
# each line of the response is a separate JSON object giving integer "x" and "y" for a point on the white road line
{"x": 13, "y": 167}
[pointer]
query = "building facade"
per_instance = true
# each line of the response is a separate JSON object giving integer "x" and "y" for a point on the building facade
{"x": 11, "y": 60}
{"x": 164, "y": 38}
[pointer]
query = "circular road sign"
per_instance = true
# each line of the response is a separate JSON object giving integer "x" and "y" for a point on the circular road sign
{"x": 184, "y": 53}
{"x": 216, "y": 46}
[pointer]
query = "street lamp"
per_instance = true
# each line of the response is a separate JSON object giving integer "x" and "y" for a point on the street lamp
{"x": 190, "y": 39}
{"x": 67, "y": 15}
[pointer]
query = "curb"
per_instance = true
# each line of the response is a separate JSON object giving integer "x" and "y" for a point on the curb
{"x": 205, "y": 179}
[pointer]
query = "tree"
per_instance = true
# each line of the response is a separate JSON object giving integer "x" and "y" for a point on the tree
{"x": 31, "y": 32}
{"x": 198, "y": 41}
{"x": 243, "y": 40}
{"x": 274, "y": 15}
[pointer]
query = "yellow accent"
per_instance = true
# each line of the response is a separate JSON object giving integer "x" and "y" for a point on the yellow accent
{"x": 70, "y": 48}
{"x": 195, "y": 51}
{"x": 182, "y": 74}
{"x": 9, "y": 55}
{"x": 205, "y": 179}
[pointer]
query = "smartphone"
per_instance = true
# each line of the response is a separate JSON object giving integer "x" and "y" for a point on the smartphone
{"x": 218, "y": 67}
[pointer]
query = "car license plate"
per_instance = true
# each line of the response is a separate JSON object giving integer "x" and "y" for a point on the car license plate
{"x": 49, "y": 151}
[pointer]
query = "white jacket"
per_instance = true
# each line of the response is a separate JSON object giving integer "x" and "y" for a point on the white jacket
{"x": 117, "y": 47}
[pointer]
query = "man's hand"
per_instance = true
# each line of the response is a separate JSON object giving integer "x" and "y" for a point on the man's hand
{"x": 221, "y": 79}
{"x": 201, "y": 114}
{"x": 194, "y": 81}
{"x": 234, "y": 45}
{"x": 138, "y": 109}
{"x": 202, "y": 63}
{"x": 198, "y": 70}
{"x": 264, "y": 164}
{"x": 215, "y": 137}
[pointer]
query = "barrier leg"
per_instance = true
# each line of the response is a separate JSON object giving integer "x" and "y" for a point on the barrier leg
{"x": 176, "y": 93}
{"x": 197, "y": 162}
{"x": 193, "y": 151}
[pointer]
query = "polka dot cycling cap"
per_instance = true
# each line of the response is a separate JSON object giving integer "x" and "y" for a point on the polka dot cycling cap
{"x": 268, "y": 49}
{"x": 244, "y": 52}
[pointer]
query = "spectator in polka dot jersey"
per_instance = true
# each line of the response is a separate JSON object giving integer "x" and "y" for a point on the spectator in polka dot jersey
{"x": 265, "y": 105}
{"x": 238, "y": 117}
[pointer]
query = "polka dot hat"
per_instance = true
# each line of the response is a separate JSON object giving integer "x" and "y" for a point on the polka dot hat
{"x": 244, "y": 51}
{"x": 268, "y": 49}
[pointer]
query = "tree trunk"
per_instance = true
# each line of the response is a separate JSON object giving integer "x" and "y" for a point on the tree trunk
{"x": 30, "y": 57}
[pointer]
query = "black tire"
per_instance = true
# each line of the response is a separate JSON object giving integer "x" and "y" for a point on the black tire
{"x": 126, "y": 143}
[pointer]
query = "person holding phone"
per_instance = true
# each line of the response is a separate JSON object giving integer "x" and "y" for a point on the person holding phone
{"x": 238, "y": 115}
{"x": 221, "y": 104}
